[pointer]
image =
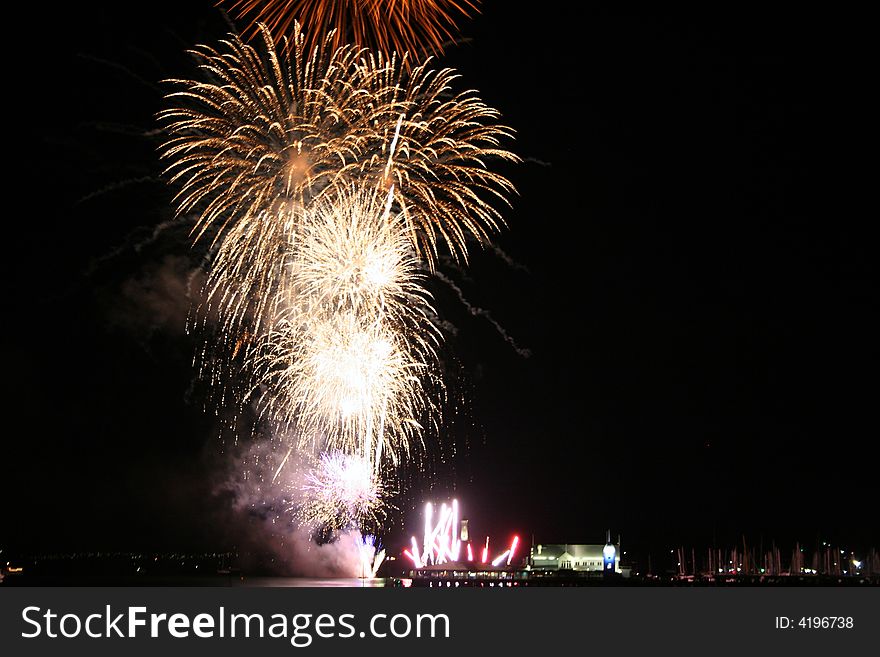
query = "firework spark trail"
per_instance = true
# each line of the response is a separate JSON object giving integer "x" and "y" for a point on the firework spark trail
{"x": 416, "y": 555}
{"x": 501, "y": 557}
{"x": 281, "y": 465}
{"x": 512, "y": 549}
{"x": 485, "y": 314}
{"x": 417, "y": 26}
{"x": 372, "y": 554}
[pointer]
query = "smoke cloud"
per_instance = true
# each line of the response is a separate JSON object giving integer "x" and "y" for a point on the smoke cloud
{"x": 263, "y": 506}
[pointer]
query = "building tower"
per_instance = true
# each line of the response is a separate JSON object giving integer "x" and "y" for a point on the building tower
{"x": 609, "y": 554}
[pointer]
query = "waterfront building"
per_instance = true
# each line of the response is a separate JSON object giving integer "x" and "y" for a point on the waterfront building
{"x": 595, "y": 557}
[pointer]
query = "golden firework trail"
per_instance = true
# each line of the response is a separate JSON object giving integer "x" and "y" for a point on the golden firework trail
{"x": 416, "y": 26}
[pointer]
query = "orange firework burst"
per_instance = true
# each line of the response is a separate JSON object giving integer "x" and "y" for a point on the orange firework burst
{"x": 419, "y": 27}
{"x": 272, "y": 132}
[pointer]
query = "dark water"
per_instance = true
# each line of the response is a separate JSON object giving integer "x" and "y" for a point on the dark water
{"x": 208, "y": 580}
{"x": 325, "y": 582}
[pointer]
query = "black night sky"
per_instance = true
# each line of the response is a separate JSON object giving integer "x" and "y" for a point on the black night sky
{"x": 693, "y": 273}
